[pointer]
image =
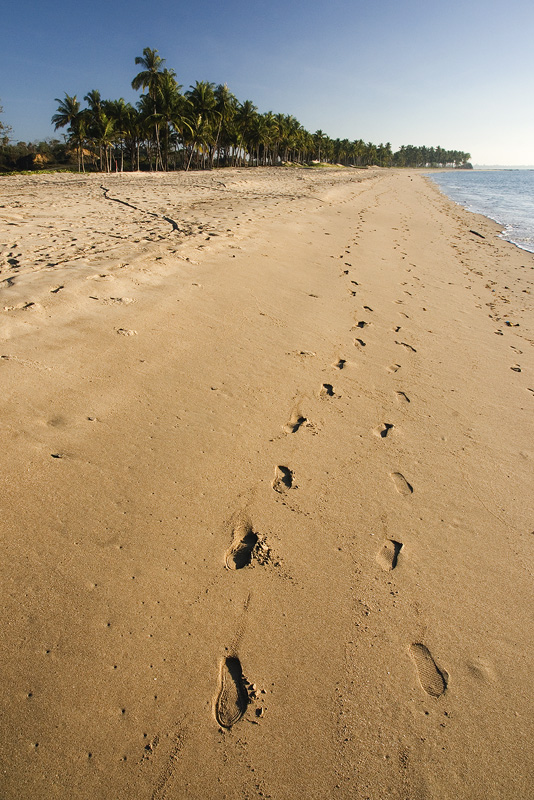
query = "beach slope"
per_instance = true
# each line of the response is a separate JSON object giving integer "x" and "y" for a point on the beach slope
{"x": 266, "y": 490}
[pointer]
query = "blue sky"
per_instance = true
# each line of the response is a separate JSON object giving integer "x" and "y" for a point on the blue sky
{"x": 458, "y": 73}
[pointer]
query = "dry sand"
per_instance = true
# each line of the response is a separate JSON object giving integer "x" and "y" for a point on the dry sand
{"x": 266, "y": 501}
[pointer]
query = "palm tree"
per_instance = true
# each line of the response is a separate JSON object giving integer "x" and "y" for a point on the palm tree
{"x": 101, "y": 126}
{"x": 371, "y": 154}
{"x": 146, "y": 128}
{"x": 204, "y": 116}
{"x": 319, "y": 137}
{"x": 245, "y": 118}
{"x": 266, "y": 136}
{"x": 120, "y": 114}
{"x": 150, "y": 78}
{"x": 94, "y": 116}
{"x": 328, "y": 150}
{"x": 167, "y": 108}
{"x": 106, "y": 138}
{"x": 225, "y": 105}
{"x": 288, "y": 135}
{"x": 134, "y": 136}
{"x": 304, "y": 145}
{"x": 68, "y": 113}
{"x": 384, "y": 154}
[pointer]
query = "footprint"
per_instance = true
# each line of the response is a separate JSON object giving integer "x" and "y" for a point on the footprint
{"x": 383, "y": 429}
{"x": 389, "y": 554}
{"x": 233, "y": 699}
{"x": 359, "y": 343}
{"x": 125, "y": 301}
{"x": 340, "y": 363}
{"x": 402, "y": 397}
{"x": 326, "y": 390}
{"x": 362, "y": 324}
{"x": 240, "y": 553}
{"x": 283, "y": 479}
{"x": 401, "y": 484}
{"x": 407, "y": 346}
{"x": 295, "y": 422}
{"x": 516, "y": 368}
{"x": 482, "y": 670}
{"x": 433, "y": 680}
{"x": 393, "y": 368}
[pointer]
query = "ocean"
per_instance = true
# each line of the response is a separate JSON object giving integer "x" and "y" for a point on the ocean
{"x": 506, "y": 196}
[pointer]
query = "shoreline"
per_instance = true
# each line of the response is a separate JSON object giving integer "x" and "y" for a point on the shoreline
{"x": 266, "y": 489}
{"x": 502, "y": 230}
{"x": 502, "y": 225}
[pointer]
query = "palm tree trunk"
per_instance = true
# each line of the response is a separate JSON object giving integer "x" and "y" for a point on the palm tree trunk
{"x": 159, "y": 159}
{"x": 190, "y": 157}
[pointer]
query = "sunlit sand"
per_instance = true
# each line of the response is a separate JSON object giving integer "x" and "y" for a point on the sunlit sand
{"x": 266, "y": 497}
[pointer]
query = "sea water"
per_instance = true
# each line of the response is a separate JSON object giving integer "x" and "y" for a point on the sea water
{"x": 504, "y": 195}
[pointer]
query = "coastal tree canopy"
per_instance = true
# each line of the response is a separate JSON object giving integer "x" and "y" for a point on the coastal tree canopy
{"x": 207, "y": 126}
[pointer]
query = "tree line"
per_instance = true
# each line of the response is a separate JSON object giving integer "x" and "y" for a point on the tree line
{"x": 205, "y": 127}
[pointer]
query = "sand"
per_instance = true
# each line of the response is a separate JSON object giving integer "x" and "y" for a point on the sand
{"x": 266, "y": 490}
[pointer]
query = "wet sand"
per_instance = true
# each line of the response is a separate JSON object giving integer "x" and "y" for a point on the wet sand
{"x": 266, "y": 500}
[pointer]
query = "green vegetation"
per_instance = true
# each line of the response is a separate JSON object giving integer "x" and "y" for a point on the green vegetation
{"x": 20, "y": 157}
{"x": 410, "y": 156}
{"x": 48, "y": 156}
{"x": 205, "y": 126}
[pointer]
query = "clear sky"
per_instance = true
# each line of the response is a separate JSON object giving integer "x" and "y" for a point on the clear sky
{"x": 455, "y": 73}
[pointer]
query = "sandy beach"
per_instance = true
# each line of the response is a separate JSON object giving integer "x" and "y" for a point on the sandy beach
{"x": 266, "y": 490}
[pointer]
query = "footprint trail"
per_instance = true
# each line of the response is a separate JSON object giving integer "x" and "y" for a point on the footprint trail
{"x": 232, "y": 699}
{"x": 388, "y": 555}
{"x": 295, "y": 422}
{"x": 401, "y": 484}
{"x": 283, "y": 479}
{"x": 433, "y": 680}
{"x": 240, "y": 553}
